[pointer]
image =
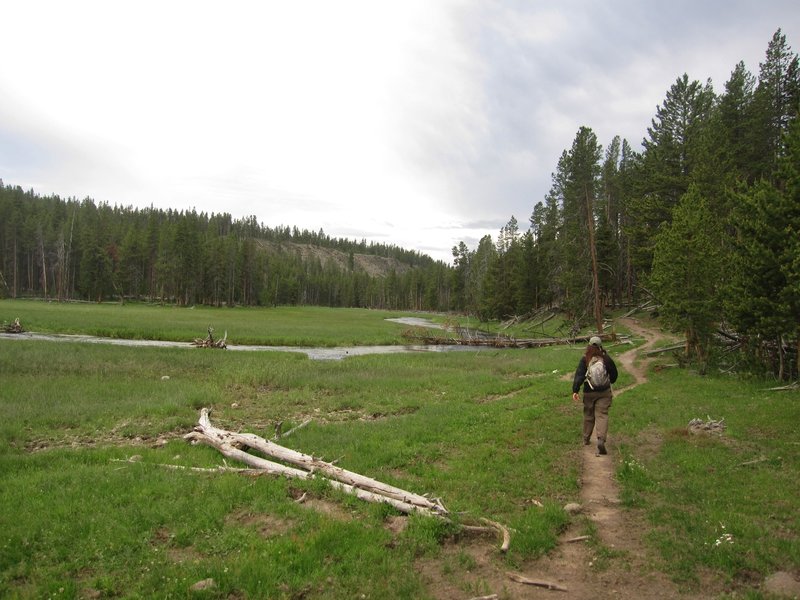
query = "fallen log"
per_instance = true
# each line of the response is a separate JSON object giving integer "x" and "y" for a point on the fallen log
{"x": 647, "y": 306}
{"x": 680, "y": 346}
{"x": 233, "y": 445}
{"x": 503, "y": 530}
{"x": 543, "y": 584}
{"x": 278, "y": 434}
{"x": 580, "y": 538}
{"x": 499, "y": 341}
{"x": 230, "y": 445}
{"x": 785, "y": 388}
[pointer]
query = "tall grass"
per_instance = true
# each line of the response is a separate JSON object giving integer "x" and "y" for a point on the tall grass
{"x": 720, "y": 504}
{"x": 489, "y": 432}
{"x": 291, "y": 326}
{"x": 485, "y": 431}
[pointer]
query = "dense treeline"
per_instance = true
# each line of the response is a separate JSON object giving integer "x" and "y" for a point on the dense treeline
{"x": 705, "y": 221}
{"x": 70, "y": 249}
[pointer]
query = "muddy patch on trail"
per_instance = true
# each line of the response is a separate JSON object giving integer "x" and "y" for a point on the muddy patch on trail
{"x": 266, "y": 524}
{"x": 466, "y": 569}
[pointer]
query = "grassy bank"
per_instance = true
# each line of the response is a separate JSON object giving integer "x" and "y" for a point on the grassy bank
{"x": 720, "y": 506}
{"x": 492, "y": 433}
{"x": 487, "y": 432}
{"x": 278, "y": 326}
{"x": 286, "y": 325}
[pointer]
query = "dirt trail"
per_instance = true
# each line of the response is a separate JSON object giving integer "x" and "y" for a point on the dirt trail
{"x": 574, "y": 566}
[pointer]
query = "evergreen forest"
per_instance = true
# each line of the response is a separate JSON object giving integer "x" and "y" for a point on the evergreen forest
{"x": 703, "y": 221}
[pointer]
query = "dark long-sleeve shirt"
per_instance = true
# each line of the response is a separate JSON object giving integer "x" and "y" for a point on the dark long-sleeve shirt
{"x": 580, "y": 374}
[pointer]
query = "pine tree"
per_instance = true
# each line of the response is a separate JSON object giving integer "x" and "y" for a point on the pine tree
{"x": 775, "y": 104}
{"x": 675, "y": 148}
{"x": 687, "y": 266}
{"x": 763, "y": 301}
{"x": 580, "y": 275}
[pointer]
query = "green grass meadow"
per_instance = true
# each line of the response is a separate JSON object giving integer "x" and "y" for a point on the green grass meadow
{"x": 492, "y": 433}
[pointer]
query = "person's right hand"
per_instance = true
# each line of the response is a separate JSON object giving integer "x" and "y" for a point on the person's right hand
{"x": 575, "y": 396}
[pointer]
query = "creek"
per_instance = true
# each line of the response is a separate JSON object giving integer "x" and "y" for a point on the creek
{"x": 314, "y": 353}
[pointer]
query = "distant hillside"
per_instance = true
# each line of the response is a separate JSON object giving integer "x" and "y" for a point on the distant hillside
{"x": 372, "y": 265}
{"x": 70, "y": 249}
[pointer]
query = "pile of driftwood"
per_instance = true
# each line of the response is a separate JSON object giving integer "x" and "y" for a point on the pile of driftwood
{"x": 14, "y": 327}
{"x": 707, "y": 426}
{"x": 298, "y": 465}
{"x": 210, "y": 342}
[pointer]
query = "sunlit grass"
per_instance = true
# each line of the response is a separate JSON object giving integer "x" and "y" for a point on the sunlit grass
{"x": 291, "y": 326}
{"x": 725, "y": 503}
{"x": 460, "y": 426}
{"x": 492, "y": 433}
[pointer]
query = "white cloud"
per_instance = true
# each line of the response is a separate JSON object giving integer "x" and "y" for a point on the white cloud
{"x": 403, "y": 122}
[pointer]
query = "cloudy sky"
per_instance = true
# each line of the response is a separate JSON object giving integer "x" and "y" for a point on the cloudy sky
{"x": 419, "y": 123}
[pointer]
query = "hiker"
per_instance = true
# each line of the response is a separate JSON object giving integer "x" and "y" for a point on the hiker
{"x": 596, "y": 372}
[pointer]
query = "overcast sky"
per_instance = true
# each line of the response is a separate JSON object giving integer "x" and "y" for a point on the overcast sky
{"x": 414, "y": 123}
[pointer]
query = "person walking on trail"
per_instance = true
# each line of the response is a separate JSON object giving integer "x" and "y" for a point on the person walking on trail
{"x": 596, "y": 372}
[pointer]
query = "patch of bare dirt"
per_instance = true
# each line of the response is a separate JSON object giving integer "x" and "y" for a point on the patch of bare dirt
{"x": 266, "y": 524}
{"x": 466, "y": 569}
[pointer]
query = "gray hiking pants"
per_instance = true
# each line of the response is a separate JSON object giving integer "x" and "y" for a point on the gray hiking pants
{"x": 595, "y": 414}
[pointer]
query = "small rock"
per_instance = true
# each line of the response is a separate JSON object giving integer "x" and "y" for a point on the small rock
{"x": 234, "y": 405}
{"x": 165, "y": 378}
{"x": 573, "y": 508}
{"x": 205, "y": 584}
{"x": 782, "y": 584}
{"x": 135, "y": 458}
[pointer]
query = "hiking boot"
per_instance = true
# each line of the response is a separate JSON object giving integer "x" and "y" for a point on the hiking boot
{"x": 586, "y": 441}
{"x": 601, "y": 447}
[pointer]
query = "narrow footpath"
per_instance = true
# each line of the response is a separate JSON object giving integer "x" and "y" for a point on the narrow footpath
{"x": 574, "y": 565}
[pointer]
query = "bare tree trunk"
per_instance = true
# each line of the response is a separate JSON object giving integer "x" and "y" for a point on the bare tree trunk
{"x": 797, "y": 372}
{"x": 44, "y": 263}
{"x": 229, "y": 442}
{"x": 15, "y": 271}
{"x": 598, "y": 307}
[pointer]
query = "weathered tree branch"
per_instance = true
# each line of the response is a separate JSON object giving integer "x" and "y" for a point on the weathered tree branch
{"x": 543, "y": 584}
{"x": 503, "y": 530}
{"x": 230, "y": 443}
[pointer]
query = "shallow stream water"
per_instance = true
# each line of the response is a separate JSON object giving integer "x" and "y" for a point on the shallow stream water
{"x": 335, "y": 353}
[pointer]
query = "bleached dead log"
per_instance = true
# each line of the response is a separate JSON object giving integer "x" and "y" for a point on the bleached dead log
{"x": 229, "y": 444}
{"x": 754, "y": 461}
{"x": 542, "y": 584}
{"x": 218, "y": 469}
{"x": 680, "y": 346}
{"x": 647, "y": 306}
{"x": 785, "y": 388}
{"x": 503, "y": 530}
{"x": 278, "y": 435}
{"x": 580, "y": 538}
{"x": 499, "y": 341}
